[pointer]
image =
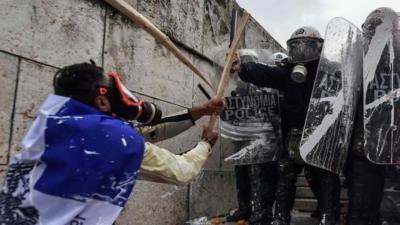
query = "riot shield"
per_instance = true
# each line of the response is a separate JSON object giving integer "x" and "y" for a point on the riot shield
{"x": 251, "y": 120}
{"x": 329, "y": 122}
{"x": 381, "y": 87}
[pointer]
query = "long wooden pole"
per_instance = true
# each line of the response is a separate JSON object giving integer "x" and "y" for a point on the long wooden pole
{"x": 163, "y": 39}
{"x": 223, "y": 83}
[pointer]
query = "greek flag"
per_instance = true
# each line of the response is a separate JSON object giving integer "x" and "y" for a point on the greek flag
{"x": 77, "y": 166}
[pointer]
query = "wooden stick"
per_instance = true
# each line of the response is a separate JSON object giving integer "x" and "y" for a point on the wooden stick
{"x": 163, "y": 39}
{"x": 223, "y": 83}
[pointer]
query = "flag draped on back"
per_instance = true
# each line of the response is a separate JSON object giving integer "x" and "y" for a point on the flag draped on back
{"x": 77, "y": 166}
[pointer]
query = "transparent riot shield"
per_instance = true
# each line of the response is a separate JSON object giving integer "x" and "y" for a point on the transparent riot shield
{"x": 382, "y": 87}
{"x": 329, "y": 122}
{"x": 251, "y": 123}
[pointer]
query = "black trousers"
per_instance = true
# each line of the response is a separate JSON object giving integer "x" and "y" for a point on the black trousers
{"x": 365, "y": 190}
{"x": 328, "y": 190}
{"x": 256, "y": 185}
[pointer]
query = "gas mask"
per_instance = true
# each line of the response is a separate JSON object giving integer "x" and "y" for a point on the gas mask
{"x": 126, "y": 105}
{"x": 302, "y": 51}
{"x": 305, "y": 45}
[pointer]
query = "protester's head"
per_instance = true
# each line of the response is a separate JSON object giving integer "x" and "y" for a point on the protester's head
{"x": 305, "y": 45}
{"x": 81, "y": 82}
{"x": 88, "y": 84}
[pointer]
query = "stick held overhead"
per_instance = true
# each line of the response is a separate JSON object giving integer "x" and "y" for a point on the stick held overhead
{"x": 223, "y": 83}
{"x": 150, "y": 28}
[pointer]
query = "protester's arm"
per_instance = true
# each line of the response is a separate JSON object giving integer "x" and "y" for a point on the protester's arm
{"x": 174, "y": 125}
{"x": 177, "y": 123}
{"x": 161, "y": 165}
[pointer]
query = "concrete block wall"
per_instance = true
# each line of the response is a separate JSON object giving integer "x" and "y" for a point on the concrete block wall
{"x": 40, "y": 36}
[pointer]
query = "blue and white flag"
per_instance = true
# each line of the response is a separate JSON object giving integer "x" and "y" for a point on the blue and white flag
{"x": 77, "y": 166}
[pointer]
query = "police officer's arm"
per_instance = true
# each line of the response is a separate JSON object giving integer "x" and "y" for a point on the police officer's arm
{"x": 260, "y": 74}
{"x": 161, "y": 165}
{"x": 263, "y": 75}
{"x": 177, "y": 123}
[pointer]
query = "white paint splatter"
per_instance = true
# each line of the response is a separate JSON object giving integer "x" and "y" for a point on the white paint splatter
{"x": 171, "y": 193}
{"x": 124, "y": 142}
{"x": 321, "y": 130}
{"x": 87, "y": 152}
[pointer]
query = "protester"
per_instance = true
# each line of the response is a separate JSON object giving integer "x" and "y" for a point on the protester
{"x": 80, "y": 158}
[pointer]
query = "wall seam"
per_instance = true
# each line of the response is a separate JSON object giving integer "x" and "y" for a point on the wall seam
{"x": 104, "y": 36}
{"x": 13, "y": 110}
{"x": 190, "y": 49}
{"x": 188, "y": 216}
{"x": 29, "y": 59}
{"x": 159, "y": 99}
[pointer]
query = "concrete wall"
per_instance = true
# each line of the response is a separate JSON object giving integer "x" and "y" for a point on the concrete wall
{"x": 40, "y": 36}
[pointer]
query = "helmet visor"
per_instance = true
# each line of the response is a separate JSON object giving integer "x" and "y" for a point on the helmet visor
{"x": 304, "y": 49}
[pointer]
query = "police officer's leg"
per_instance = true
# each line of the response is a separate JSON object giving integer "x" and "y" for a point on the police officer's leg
{"x": 243, "y": 194}
{"x": 329, "y": 195}
{"x": 365, "y": 191}
{"x": 263, "y": 188}
{"x": 314, "y": 182}
{"x": 375, "y": 191}
{"x": 286, "y": 190}
{"x": 356, "y": 189}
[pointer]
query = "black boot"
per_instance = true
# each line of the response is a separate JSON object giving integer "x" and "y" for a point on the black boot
{"x": 279, "y": 222}
{"x": 327, "y": 220}
{"x": 316, "y": 213}
{"x": 315, "y": 184}
{"x": 263, "y": 188}
{"x": 285, "y": 191}
{"x": 239, "y": 214}
{"x": 329, "y": 196}
{"x": 356, "y": 193}
{"x": 243, "y": 195}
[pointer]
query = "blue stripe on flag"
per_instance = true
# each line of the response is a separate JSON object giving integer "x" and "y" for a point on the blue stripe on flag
{"x": 89, "y": 155}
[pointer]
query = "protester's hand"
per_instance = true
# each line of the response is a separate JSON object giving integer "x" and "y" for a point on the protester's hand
{"x": 236, "y": 65}
{"x": 213, "y": 106}
{"x": 209, "y": 135}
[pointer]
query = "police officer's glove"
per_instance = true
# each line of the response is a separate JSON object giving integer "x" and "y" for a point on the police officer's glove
{"x": 236, "y": 65}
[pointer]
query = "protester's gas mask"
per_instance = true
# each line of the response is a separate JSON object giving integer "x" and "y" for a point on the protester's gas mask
{"x": 126, "y": 105}
{"x": 305, "y": 45}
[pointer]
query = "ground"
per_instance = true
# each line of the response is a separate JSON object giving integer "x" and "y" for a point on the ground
{"x": 298, "y": 219}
